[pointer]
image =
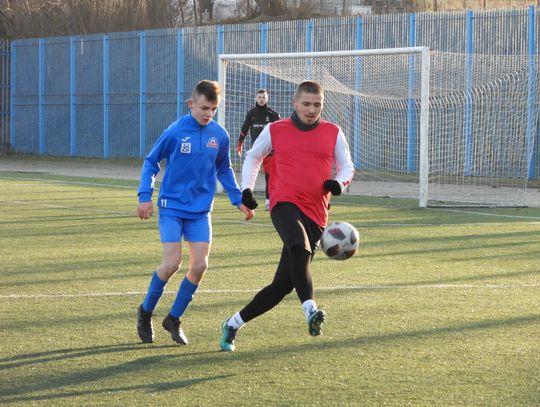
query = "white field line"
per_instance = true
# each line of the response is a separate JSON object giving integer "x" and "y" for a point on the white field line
{"x": 74, "y": 208}
{"x": 253, "y": 290}
{"x": 77, "y": 208}
{"x": 485, "y": 214}
{"x": 496, "y": 215}
{"x": 535, "y": 219}
{"x": 55, "y": 181}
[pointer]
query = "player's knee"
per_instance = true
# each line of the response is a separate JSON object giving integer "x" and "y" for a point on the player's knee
{"x": 282, "y": 288}
{"x": 170, "y": 267}
{"x": 287, "y": 290}
{"x": 300, "y": 248}
{"x": 199, "y": 267}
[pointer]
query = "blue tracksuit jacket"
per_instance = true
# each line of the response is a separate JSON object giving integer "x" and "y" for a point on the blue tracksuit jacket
{"x": 195, "y": 155}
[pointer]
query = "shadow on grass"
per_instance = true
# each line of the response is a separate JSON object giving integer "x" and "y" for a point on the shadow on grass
{"x": 52, "y": 384}
{"x": 139, "y": 366}
{"x": 149, "y": 388}
{"x": 63, "y": 354}
{"x": 330, "y": 345}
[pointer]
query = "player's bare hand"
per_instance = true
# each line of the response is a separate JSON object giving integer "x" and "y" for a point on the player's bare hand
{"x": 239, "y": 149}
{"x": 145, "y": 209}
{"x": 248, "y": 212}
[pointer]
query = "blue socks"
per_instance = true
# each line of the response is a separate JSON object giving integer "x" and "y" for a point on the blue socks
{"x": 154, "y": 293}
{"x": 183, "y": 298}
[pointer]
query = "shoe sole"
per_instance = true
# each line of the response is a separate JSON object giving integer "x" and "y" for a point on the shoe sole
{"x": 145, "y": 340}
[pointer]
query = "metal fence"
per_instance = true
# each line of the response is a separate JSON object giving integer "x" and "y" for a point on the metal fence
{"x": 111, "y": 95}
{"x": 4, "y": 93}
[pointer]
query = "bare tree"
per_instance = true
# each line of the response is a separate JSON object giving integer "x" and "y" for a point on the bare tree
{"x": 248, "y": 8}
{"x": 271, "y": 7}
{"x": 41, "y": 18}
{"x": 182, "y": 12}
{"x": 206, "y": 7}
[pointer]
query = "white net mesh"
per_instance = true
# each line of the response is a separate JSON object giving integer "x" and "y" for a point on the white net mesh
{"x": 482, "y": 122}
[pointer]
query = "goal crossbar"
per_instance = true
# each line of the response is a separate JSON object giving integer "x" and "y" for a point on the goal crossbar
{"x": 322, "y": 54}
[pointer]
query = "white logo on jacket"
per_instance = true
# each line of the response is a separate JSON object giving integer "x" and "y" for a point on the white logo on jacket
{"x": 185, "y": 148}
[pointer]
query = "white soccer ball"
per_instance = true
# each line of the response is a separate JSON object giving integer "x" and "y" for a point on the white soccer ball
{"x": 340, "y": 240}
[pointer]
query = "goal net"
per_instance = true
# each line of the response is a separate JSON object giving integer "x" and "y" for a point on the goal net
{"x": 441, "y": 128}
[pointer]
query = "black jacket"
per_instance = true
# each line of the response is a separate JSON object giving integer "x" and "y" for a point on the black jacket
{"x": 256, "y": 119}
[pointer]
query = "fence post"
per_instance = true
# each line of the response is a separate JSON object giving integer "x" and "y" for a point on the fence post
{"x": 4, "y": 94}
{"x": 309, "y": 48}
{"x": 531, "y": 92}
{"x": 41, "y": 90}
{"x": 105, "y": 96}
{"x": 72, "y": 97}
{"x": 221, "y": 75}
{"x": 220, "y": 35}
{"x": 142, "y": 94}
{"x": 357, "y": 104}
{"x": 468, "y": 96}
{"x": 264, "y": 50}
{"x": 309, "y": 36}
{"x": 13, "y": 72}
{"x": 221, "y": 116}
{"x": 411, "y": 116}
{"x": 179, "y": 71}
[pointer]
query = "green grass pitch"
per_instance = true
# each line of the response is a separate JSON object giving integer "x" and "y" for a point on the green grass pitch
{"x": 438, "y": 308}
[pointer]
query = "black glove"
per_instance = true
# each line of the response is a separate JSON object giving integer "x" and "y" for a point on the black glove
{"x": 333, "y": 186}
{"x": 248, "y": 200}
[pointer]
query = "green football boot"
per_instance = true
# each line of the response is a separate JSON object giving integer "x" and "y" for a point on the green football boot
{"x": 315, "y": 321}
{"x": 228, "y": 334}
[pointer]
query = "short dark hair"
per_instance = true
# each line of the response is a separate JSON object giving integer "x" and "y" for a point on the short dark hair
{"x": 309, "y": 87}
{"x": 210, "y": 89}
{"x": 262, "y": 90}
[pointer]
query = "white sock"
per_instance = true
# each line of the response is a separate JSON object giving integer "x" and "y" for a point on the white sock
{"x": 236, "y": 321}
{"x": 309, "y": 306}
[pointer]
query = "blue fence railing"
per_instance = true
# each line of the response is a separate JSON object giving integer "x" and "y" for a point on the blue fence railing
{"x": 111, "y": 95}
{"x": 5, "y": 71}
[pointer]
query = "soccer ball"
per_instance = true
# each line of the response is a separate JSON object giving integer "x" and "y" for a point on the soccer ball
{"x": 339, "y": 240}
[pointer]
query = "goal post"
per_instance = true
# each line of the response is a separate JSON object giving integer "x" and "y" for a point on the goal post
{"x": 439, "y": 128}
